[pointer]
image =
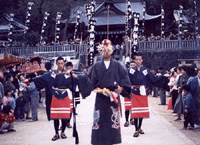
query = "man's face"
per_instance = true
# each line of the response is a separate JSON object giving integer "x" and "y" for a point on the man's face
{"x": 20, "y": 94}
{"x": 198, "y": 74}
{"x": 132, "y": 64}
{"x": 138, "y": 60}
{"x": 22, "y": 78}
{"x": 69, "y": 68}
{"x": 60, "y": 64}
{"x": 106, "y": 55}
{"x": 183, "y": 71}
{"x": 11, "y": 79}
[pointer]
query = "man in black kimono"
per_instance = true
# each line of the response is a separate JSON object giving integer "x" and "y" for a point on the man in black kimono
{"x": 103, "y": 75}
{"x": 61, "y": 104}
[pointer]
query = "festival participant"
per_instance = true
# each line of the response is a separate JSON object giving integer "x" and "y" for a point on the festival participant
{"x": 140, "y": 77}
{"x": 69, "y": 67}
{"x": 103, "y": 75}
{"x": 127, "y": 104}
{"x": 61, "y": 105}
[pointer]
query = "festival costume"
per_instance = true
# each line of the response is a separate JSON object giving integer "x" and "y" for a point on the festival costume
{"x": 139, "y": 79}
{"x": 60, "y": 85}
{"x": 127, "y": 104}
{"x": 106, "y": 124}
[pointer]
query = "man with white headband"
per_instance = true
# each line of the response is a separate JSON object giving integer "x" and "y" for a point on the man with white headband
{"x": 109, "y": 79}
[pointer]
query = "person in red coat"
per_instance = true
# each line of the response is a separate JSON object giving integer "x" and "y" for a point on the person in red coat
{"x": 7, "y": 119}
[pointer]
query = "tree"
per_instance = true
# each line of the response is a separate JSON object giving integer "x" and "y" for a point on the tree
{"x": 37, "y": 14}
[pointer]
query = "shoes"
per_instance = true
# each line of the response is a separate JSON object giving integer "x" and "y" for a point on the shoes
{"x": 32, "y": 120}
{"x": 68, "y": 125}
{"x": 23, "y": 119}
{"x": 162, "y": 104}
{"x": 141, "y": 131}
{"x": 126, "y": 124}
{"x": 132, "y": 122}
{"x": 11, "y": 130}
{"x": 55, "y": 137}
{"x": 28, "y": 117}
{"x": 196, "y": 126}
{"x": 191, "y": 128}
{"x": 136, "y": 134}
{"x": 183, "y": 128}
{"x": 63, "y": 136}
{"x": 1, "y": 132}
{"x": 177, "y": 119}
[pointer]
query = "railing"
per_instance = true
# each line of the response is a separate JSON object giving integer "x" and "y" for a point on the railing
{"x": 172, "y": 45}
{"x": 73, "y": 49}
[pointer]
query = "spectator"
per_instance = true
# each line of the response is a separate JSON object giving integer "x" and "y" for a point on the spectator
{"x": 20, "y": 106}
{"x": 173, "y": 87}
{"x": 154, "y": 89}
{"x": 162, "y": 92}
{"x": 26, "y": 94}
{"x": 34, "y": 95}
{"x": 8, "y": 99}
{"x": 15, "y": 79}
{"x": 7, "y": 119}
{"x": 189, "y": 108}
{"x": 8, "y": 85}
{"x": 178, "y": 107}
{"x": 1, "y": 94}
{"x": 194, "y": 87}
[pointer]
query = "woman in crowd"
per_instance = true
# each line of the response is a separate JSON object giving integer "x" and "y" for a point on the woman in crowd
{"x": 7, "y": 119}
{"x": 8, "y": 99}
{"x": 173, "y": 87}
{"x": 178, "y": 107}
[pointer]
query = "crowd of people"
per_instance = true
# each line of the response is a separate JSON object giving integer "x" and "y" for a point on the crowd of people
{"x": 184, "y": 84}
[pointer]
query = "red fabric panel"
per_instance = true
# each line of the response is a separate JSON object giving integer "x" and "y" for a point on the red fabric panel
{"x": 61, "y": 109}
{"x": 140, "y": 107}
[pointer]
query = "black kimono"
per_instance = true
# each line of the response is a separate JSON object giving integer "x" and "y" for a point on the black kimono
{"x": 106, "y": 125}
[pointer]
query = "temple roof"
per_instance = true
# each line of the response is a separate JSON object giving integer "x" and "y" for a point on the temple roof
{"x": 4, "y": 24}
{"x": 117, "y": 13}
{"x": 117, "y": 1}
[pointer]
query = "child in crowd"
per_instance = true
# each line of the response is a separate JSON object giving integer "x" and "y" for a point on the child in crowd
{"x": 7, "y": 119}
{"x": 189, "y": 107}
{"x": 8, "y": 99}
{"x": 20, "y": 106}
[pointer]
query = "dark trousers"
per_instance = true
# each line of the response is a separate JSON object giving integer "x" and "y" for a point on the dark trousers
{"x": 64, "y": 124}
{"x": 127, "y": 113}
{"x": 138, "y": 123}
{"x": 155, "y": 91}
{"x": 20, "y": 112}
{"x": 162, "y": 93}
{"x": 174, "y": 95}
{"x": 188, "y": 118}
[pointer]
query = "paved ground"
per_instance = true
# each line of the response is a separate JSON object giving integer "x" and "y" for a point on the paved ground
{"x": 170, "y": 117}
{"x": 158, "y": 130}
